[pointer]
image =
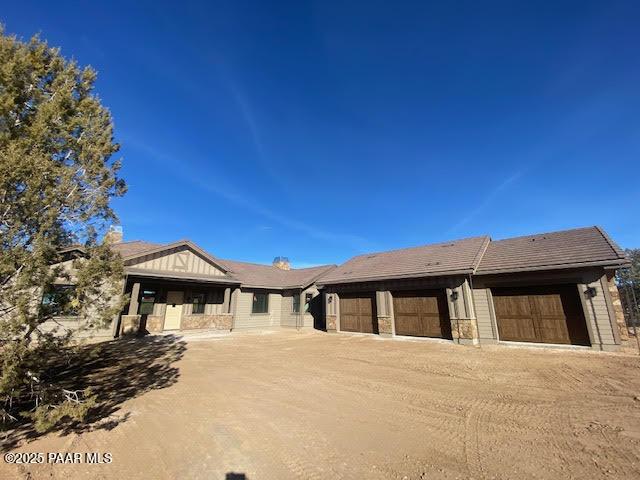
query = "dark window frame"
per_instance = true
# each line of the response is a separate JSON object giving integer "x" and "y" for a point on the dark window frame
{"x": 153, "y": 293}
{"x": 255, "y": 303}
{"x": 55, "y": 297}
{"x": 197, "y": 308}
{"x": 295, "y": 303}
{"x": 308, "y": 298}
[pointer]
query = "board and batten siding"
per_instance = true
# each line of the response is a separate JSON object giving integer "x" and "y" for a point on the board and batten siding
{"x": 243, "y": 318}
{"x": 180, "y": 259}
{"x": 484, "y": 314}
{"x": 597, "y": 314}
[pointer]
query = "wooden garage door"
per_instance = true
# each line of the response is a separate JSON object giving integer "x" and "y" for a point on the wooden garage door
{"x": 550, "y": 314}
{"x": 421, "y": 313}
{"x": 358, "y": 313}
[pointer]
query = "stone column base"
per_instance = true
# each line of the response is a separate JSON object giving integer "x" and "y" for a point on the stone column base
{"x": 130, "y": 324}
{"x": 332, "y": 322}
{"x": 465, "y": 331}
{"x": 385, "y": 326}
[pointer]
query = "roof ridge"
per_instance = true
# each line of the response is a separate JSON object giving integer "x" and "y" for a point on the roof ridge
{"x": 553, "y": 232}
{"x": 419, "y": 246}
{"x": 477, "y": 260}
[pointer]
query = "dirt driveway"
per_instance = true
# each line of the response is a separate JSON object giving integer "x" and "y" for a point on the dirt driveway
{"x": 313, "y": 405}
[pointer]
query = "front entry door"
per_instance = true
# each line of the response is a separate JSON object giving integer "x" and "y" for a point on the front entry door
{"x": 174, "y": 310}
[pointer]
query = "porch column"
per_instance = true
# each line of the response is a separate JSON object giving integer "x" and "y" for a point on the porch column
{"x": 133, "y": 303}
{"x": 332, "y": 313}
{"x": 130, "y": 324}
{"x": 226, "y": 304}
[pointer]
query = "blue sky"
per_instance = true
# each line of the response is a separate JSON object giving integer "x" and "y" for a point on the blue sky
{"x": 321, "y": 130}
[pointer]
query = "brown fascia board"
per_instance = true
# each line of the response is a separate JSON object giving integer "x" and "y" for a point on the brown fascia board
{"x": 442, "y": 273}
{"x": 622, "y": 263}
{"x": 614, "y": 246}
{"x": 179, "y": 243}
{"x": 163, "y": 274}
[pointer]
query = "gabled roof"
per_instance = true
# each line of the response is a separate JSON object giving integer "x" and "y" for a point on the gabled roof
{"x": 150, "y": 248}
{"x": 579, "y": 247}
{"x": 248, "y": 274}
{"x": 268, "y": 276}
{"x": 447, "y": 258}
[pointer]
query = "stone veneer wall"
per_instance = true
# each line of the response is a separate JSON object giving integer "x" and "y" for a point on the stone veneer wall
{"x": 155, "y": 323}
{"x": 332, "y": 321}
{"x": 617, "y": 307}
{"x": 130, "y": 324}
{"x": 465, "y": 330}
{"x": 385, "y": 326}
{"x": 218, "y": 322}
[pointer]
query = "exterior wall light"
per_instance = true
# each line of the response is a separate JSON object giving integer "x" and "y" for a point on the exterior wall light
{"x": 590, "y": 292}
{"x": 454, "y": 296}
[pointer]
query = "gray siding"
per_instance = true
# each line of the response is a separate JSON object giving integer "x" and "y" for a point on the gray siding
{"x": 597, "y": 314}
{"x": 243, "y": 318}
{"x": 288, "y": 317}
{"x": 484, "y": 314}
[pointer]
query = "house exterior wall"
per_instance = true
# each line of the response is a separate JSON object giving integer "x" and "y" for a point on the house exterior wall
{"x": 599, "y": 315}
{"x": 243, "y": 318}
{"x": 303, "y": 319}
{"x": 84, "y": 328}
{"x": 179, "y": 259}
{"x": 461, "y": 305}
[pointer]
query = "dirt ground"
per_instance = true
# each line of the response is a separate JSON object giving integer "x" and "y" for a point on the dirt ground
{"x": 313, "y": 405}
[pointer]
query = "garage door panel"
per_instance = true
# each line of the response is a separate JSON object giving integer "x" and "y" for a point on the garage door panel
{"x": 421, "y": 313}
{"x": 549, "y": 314}
{"x": 408, "y": 325}
{"x": 520, "y": 329}
{"x": 357, "y": 314}
{"x": 552, "y": 329}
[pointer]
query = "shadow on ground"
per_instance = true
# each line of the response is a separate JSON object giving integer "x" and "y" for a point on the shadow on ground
{"x": 116, "y": 371}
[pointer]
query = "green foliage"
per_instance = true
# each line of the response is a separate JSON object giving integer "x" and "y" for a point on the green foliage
{"x": 57, "y": 178}
{"x": 628, "y": 280}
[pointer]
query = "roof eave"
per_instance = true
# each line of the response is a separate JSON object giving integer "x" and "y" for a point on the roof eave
{"x": 442, "y": 273}
{"x": 621, "y": 263}
{"x": 162, "y": 275}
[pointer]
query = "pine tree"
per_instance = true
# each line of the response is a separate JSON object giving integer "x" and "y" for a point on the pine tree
{"x": 57, "y": 177}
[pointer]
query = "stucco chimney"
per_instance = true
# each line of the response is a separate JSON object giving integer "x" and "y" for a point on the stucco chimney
{"x": 282, "y": 263}
{"x": 114, "y": 235}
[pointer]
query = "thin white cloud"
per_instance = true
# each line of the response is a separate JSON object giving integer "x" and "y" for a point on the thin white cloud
{"x": 224, "y": 189}
{"x": 488, "y": 200}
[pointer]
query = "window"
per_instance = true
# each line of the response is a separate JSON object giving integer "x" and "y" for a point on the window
{"x": 307, "y": 301}
{"x": 198, "y": 300}
{"x": 260, "y": 303}
{"x": 296, "y": 303}
{"x": 60, "y": 300}
{"x": 147, "y": 301}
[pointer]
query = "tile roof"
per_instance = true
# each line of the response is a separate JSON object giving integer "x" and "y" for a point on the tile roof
{"x": 258, "y": 275}
{"x": 564, "y": 249}
{"x": 447, "y": 258}
{"x": 134, "y": 247}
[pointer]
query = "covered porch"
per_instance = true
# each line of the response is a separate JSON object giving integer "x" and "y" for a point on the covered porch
{"x": 175, "y": 302}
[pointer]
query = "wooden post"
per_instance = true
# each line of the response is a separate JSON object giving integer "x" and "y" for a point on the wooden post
{"x": 226, "y": 304}
{"x": 133, "y": 302}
